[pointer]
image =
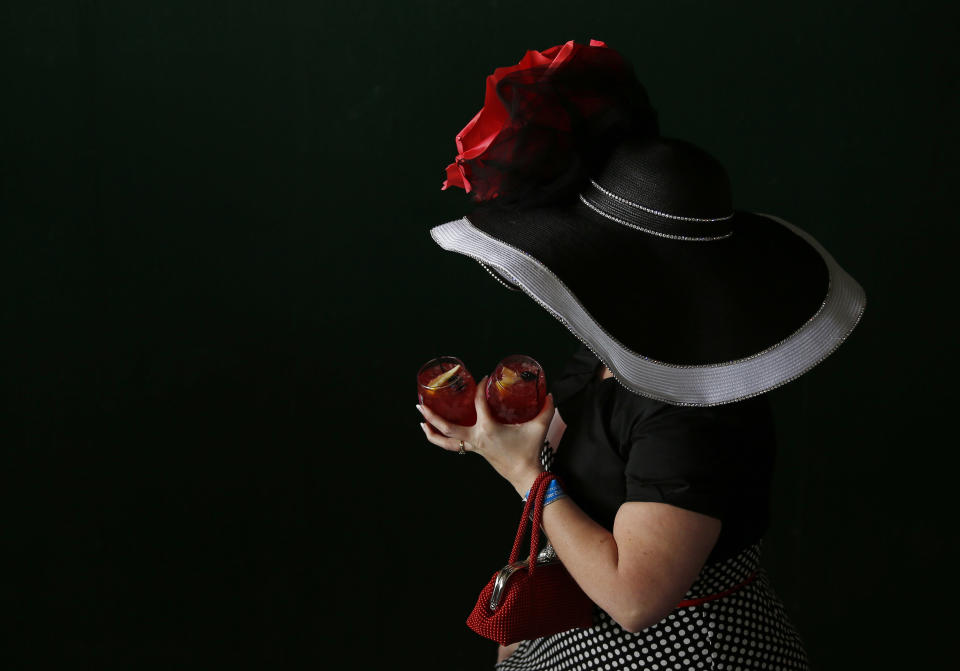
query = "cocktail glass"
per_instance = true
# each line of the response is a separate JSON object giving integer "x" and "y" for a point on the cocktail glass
{"x": 446, "y": 386}
{"x": 516, "y": 390}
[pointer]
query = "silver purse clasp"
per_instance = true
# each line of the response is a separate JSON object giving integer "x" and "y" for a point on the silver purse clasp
{"x": 546, "y": 556}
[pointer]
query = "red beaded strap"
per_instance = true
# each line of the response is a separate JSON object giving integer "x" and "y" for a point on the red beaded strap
{"x": 535, "y": 498}
{"x": 719, "y": 595}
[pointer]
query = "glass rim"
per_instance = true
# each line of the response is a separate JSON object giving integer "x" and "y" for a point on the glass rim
{"x": 524, "y": 357}
{"x": 496, "y": 378}
{"x": 435, "y": 361}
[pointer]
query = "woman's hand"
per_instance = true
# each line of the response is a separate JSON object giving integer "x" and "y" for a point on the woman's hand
{"x": 512, "y": 449}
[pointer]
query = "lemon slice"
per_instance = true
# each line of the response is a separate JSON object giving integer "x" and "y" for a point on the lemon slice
{"x": 508, "y": 377}
{"x": 442, "y": 378}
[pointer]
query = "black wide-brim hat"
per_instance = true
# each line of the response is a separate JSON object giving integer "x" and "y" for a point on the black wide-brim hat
{"x": 685, "y": 299}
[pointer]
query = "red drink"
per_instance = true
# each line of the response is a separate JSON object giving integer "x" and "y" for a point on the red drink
{"x": 517, "y": 390}
{"x": 445, "y": 386}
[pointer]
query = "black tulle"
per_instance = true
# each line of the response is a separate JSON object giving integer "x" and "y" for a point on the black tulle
{"x": 562, "y": 125}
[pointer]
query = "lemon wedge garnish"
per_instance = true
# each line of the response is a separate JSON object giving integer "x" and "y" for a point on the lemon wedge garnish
{"x": 508, "y": 377}
{"x": 442, "y": 378}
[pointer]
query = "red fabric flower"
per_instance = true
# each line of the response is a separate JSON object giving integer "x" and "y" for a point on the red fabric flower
{"x": 539, "y": 114}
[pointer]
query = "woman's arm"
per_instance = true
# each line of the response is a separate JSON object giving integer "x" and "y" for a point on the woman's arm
{"x": 504, "y": 651}
{"x": 642, "y": 570}
{"x": 638, "y": 573}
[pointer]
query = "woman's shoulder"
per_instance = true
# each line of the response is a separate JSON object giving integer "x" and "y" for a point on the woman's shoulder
{"x": 575, "y": 374}
{"x": 630, "y": 412}
{"x": 639, "y": 415}
{"x": 583, "y": 360}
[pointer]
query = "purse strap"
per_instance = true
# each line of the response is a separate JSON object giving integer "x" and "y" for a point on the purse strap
{"x": 535, "y": 499}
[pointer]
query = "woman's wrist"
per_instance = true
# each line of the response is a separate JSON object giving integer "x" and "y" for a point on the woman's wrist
{"x": 523, "y": 481}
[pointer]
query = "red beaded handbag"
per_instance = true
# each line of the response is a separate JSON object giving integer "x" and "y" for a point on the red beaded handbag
{"x": 534, "y": 597}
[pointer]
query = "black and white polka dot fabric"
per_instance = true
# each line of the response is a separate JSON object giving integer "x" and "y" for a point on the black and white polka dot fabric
{"x": 746, "y": 629}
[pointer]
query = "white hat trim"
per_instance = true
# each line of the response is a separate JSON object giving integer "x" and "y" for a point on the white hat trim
{"x": 699, "y": 385}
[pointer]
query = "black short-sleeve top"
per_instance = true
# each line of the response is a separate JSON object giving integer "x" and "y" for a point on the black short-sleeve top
{"x": 619, "y": 446}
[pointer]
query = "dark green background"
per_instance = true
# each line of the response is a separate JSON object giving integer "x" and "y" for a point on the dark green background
{"x": 218, "y": 284}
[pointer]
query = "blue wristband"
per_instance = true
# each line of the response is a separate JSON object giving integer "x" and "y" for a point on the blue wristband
{"x": 554, "y": 492}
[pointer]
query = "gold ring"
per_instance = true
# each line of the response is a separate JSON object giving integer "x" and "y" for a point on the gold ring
{"x": 462, "y": 451}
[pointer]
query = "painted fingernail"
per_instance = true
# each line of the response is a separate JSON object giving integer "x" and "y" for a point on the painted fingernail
{"x": 423, "y": 425}
{"x": 419, "y": 409}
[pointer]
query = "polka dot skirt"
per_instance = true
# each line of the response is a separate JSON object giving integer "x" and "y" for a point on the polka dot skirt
{"x": 747, "y": 629}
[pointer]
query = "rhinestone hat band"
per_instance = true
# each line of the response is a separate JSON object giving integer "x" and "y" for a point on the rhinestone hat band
{"x": 622, "y": 211}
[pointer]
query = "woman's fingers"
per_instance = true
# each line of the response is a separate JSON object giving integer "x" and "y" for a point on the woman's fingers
{"x": 442, "y": 425}
{"x": 546, "y": 412}
{"x": 440, "y": 440}
{"x": 480, "y": 401}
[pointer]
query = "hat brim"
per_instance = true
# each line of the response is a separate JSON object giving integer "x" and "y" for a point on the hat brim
{"x": 687, "y": 323}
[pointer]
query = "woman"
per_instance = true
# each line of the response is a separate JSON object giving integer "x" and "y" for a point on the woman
{"x": 687, "y": 311}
